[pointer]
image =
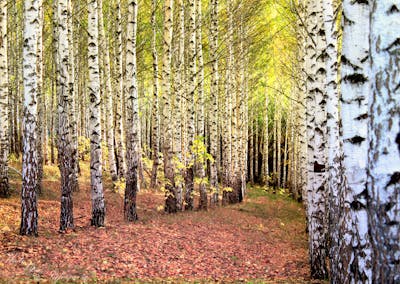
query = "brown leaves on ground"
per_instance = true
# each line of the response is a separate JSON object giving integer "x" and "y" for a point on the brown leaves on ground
{"x": 261, "y": 239}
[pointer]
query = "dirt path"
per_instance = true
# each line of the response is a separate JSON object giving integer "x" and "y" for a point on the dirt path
{"x": 261, "y": 239}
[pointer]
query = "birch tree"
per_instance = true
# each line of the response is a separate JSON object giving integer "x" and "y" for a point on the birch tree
{"x": 155, "y": 111}
{"x": 65, "y": 146}
{"x": 29, "y": 213}
{"x": 119, "y": 134}
{"x": 189, "y": 176}
{"x": 384, "y": 142}
{"x": 355, "y": 247}
{"x": 133, "y": 137}
{"x": 108, "y": 94}
{"x": 214, "y": 104}
{"x": 98, "y": 206}
{"x": 170, "y": 192}
{"x": 4, "y": 138}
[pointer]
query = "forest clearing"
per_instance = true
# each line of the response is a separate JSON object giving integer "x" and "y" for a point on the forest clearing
{"x": 200, "y": 140}
{"x": 262, "y": 239}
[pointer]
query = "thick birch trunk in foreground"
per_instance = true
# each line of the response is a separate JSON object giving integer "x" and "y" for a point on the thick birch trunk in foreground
{"x": 4, "y": 144}
{"x": 133, "y": 126}
{"x": 316, "y": 118}
{"x": 98, "y": 206}
{"x": 384, "y": 141}
{"x": 29, "y": 214}
{"x": 355, "y": 247}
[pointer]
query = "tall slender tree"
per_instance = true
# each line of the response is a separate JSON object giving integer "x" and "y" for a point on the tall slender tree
{"x": 98, "y": 205}
{"x": 214, "y": 94}
{"x": 155, "y": 111}
{"x": 29, "y": 213}
{"x": 4, "y": 138}
{"x": 133, "y": 123}
{"x": 64, "y": 134}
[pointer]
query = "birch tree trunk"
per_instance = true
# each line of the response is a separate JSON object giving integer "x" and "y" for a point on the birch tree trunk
{"x": 133, "y": 122}
{"x": 98, "y": 206}
{"x": 4, "y": 138}
{"x": 266, "y": 143}
{"x": 355, "y": 247}
{"x": 214, "y": 93}
{"x": 316, "y": 70}
{"x": 40, "y": 96}
{"x": 384, "y": 141}
{"x": 108, "y": 94}
{"x": 155, "y": 111}
{"x": 29, "y": 213}
{"x": 178, "y": 112}
{"x": 119, "y": 134}
{"x": 170, "y": 192}
{"x": 201, "y": 99}
{"x": 74, "y": 164}
{"x": 334, "y": 157}
{"x": 65, "y": 148}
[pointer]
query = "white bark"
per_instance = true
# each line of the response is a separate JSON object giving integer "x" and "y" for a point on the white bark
{"x": 355, "y": 246}
{"x": 98, "y": 206}
{"x": 133, "y": 122}
{"x": 214, "y": 93}
{"x": 29, "y": 214}
{"x": 4, "y": 144}
{"x": 384, "y": 141}
{"x": 108, "y": 94}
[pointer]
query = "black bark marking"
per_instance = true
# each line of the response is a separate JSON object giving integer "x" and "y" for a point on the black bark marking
{"x": 395, "y": 178}
{"x": 398, "y": 141}
{"x": 356, "y": 140}
{"x": 393, "y": 10}
{"x": 357, "y": 205}
{"x": 393, "y": 46}
{"x": 361, "y": 2}
{"x": 355, "y": 78}
{"x": 319, "y": 168}
{"x": 362, "y": 117}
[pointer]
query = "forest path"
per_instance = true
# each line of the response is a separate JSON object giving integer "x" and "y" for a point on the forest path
{"x": 262, "y": 239}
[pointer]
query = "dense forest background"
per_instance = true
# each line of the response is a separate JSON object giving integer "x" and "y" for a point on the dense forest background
{"x": 201, "y": 100}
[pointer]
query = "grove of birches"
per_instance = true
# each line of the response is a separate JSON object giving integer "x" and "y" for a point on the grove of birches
{"x": 206, "y": 97}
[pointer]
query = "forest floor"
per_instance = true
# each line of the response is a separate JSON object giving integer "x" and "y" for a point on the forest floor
{"x": 262, "y": 240}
